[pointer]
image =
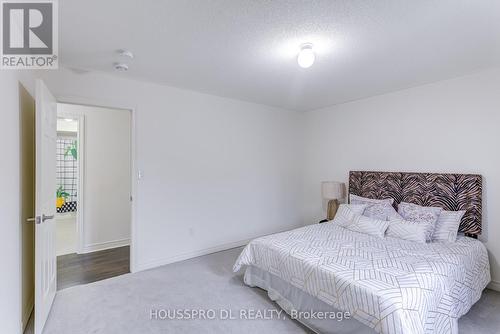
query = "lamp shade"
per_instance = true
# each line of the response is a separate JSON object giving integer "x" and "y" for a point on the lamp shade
{"x": 332, "y": 190}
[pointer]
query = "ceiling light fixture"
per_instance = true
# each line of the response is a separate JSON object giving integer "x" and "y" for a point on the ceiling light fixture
{"x": 306, "y": 56}
{"x": 121, "y": 67}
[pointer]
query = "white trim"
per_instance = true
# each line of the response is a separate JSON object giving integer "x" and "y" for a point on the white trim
{"x": 105, "y": 245}
{"x": 201, "y": 252}
{"x": 189, "y": 255}
{"x": 80, "y": 205}
{"x": 494, "y": 285}
{"x": 134, "y": 177}
{"x": 134, "y": 167}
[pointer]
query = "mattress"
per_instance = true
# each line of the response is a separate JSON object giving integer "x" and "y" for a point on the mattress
{"x": 388, "y": 284}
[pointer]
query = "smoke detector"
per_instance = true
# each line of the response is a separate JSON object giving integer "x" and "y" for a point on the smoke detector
{"x": 121, "y": 67}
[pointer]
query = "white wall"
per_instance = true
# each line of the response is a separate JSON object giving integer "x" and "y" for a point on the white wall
{"x": 217, "y": 171}
{"x": 107, "y": 180}
{"x": 449, "y": 126}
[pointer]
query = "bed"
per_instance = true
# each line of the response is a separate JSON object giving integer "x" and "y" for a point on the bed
{"x": 378, "y": 285}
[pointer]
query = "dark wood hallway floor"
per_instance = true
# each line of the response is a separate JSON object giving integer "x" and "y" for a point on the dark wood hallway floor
{"x": 76, "y": 269}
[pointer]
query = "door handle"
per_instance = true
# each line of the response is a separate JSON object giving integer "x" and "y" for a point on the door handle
{"x": 38, "y": 219}
{"x": 44, "y": 217}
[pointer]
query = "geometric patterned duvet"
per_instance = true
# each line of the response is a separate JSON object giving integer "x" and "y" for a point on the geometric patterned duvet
{"x": 390, "y": 285}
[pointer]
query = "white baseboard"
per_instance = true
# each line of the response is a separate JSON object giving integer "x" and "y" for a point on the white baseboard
{"x": 494, "y": 285}
{"x": 189, "y": 255}
{"x": 104, "y": 245}
{"x": 201, "y": 252}
{"x": 27, "y": 313}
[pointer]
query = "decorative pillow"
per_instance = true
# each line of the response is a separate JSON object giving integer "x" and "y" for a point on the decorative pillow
{"x": 379, "y": 211}
{"x": 357, "y": 208}
{"x": 355, "y": 199}
{"x": 346, "y": 213}
{"x": 392, "y": 214}
{"x": 377, "y": 208}
{"x": 420, "y": 215}
{"x": 446, "y": 228}
{"x": 405, "y": 230}
{"x": 367, "y": 225}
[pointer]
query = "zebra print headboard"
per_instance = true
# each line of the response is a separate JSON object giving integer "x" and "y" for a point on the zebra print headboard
{"x": 448, "y": 191}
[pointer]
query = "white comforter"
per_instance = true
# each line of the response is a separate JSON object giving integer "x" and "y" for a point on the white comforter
{"x": 390, "y": 285}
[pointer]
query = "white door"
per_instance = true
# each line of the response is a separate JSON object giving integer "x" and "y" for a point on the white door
{"x": 45, "y": 204}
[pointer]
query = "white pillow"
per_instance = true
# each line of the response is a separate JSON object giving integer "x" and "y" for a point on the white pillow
{"x": 377, "y": 208}
{"x": 425, "y": 215}
{"x": 366, "y": 200}
{"x": 357, "y": 208}
{"x": 367, "y": 225}
{"x": 405, "y": 230}
{"x": 392, "y": 214}
{"x": 346, "y": 213}
{"x": 447, "y": 226}
{"x": 379, "y": 211}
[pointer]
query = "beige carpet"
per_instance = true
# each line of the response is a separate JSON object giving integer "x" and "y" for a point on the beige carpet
{"x": 123, "y": 304}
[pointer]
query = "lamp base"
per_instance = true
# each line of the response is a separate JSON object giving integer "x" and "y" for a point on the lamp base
{"x": 333, "y": 206}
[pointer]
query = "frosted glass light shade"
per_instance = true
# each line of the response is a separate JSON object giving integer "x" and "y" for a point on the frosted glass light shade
{"x": 306, "y": 56}
{"x": 332, "y": 190}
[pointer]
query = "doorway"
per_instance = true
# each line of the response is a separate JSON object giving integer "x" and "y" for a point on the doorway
{"x": 90, "y": 190}
{"x": 93, "y": 219}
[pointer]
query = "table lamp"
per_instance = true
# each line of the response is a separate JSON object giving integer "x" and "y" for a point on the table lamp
{"x": 332, "y": 192}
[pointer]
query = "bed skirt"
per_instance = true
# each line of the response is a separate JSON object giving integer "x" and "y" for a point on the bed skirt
{"x": 299, "y": 305}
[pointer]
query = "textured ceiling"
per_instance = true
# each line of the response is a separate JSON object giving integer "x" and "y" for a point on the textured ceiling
{"x": 247, "y": 49}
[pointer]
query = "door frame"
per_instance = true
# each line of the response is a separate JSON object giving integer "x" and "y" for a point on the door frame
{"x": 81, "y": 175}
{"x": 89, "y": 102}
